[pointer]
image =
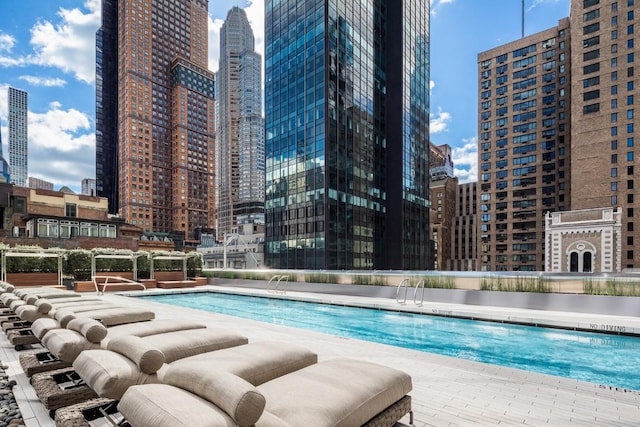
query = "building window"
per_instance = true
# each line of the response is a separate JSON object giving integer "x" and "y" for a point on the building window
{"x": 19, "y": 205}
{"x": 47, "y": 228}
{"x": 70, "y": 210}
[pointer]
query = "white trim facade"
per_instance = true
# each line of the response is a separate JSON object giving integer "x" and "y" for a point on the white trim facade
{"x": 588, "y": 240}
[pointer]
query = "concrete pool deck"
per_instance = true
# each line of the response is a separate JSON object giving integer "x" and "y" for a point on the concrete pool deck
{"x": 446, "y": 391}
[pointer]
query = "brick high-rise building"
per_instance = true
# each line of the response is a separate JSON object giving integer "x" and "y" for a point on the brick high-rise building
{"x": 524, "y": 113}
{"x": 159, "y": 165}
{"x": 464, "y": 239}
{"x": 605, "y": 124}
{"x": 443, "y": 191}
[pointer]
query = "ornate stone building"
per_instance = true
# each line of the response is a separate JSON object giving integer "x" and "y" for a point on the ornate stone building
{"x": 587, "y": 240}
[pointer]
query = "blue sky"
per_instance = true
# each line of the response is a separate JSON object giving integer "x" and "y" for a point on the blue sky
{"x": 47, "y": 49}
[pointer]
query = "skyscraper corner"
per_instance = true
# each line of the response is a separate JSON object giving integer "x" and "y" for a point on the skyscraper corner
{"x": 347, "y": 135}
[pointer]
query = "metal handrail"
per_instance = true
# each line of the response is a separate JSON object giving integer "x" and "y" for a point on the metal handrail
{"x": 277, "y": 276}
{"x": 275, "y": 289}
{"x": 420, "y": 284}
{"x": 402, "y": 284}
{"x": 118, "y": 281}
{"x": 286, "y": 286}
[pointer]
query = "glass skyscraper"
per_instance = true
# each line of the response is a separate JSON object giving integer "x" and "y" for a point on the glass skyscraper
{"x": 347, "y": 134}
{"x": 240, "y": 126}
{"x": 18, "y": 136}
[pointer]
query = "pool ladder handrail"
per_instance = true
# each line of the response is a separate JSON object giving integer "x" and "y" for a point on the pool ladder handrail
{"x": 419, "y": 285}
{"x": 276, "y": 288}
{"x": 402, "y": 284}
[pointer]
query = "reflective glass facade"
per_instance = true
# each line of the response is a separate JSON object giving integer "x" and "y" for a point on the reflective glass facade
{"x": 107, "y": 105}
{"x": 347, "y": 116}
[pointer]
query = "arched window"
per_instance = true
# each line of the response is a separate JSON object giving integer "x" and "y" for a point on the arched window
{"x": 586, "y": 262}
{"x": 573, "y": 264}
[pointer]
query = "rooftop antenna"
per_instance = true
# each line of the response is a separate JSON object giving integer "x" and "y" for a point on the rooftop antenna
{"x": 522, "y": 18}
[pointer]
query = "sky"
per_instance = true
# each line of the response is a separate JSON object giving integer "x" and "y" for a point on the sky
{"x": 47, "y": 48}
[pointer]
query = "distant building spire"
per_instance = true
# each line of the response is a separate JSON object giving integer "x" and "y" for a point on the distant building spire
{"x": 522, "y": 20}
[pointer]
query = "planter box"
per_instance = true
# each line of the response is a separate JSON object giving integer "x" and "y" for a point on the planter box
{"x": 168, "y": 275}
{"x": 123, "y": 274}
{"x": 84, "y": 286}
{"x": 149, "y": 283}
{"x": 32, "y": 279}
{"x": 200, "y": 281}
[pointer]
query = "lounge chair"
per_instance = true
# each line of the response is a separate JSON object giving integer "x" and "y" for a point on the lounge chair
{"x": 44, "y": 360}
{"x": 111, "y": 372}
{"x": 334, "y": 393}
{"x": 21, "y": 334}
{"x": 63, "y": 387}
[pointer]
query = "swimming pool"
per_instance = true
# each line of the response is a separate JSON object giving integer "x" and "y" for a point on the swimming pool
{"x": 598, "y": 358}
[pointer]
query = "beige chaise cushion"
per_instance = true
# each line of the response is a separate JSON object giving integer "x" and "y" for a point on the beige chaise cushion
{"x": 45, "y": 305}
{"x": 193, "y": 399}
{"x": 143, "y": 329}
{"x": 148, "y": 358}
{"x": 161, "y": 405}
{"x": 339, "y": 392}
{"x": 119, "y": 316}
{"x": 107, "y": 316}
{"x": 43, "y": 325}
{"x": 181, "y": 344}
{"x": 239, "y": 399}
{"x": 256, "y": 362}
{"x": 109, "y": 373}
{"x": 91, "y": 329}
{"x": 28, "y": 312}
{"x": 66, "y": 344}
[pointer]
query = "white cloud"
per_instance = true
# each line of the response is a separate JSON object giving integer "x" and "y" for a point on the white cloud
{"x": 439, "y": 121}
{"x": 214, "y": 42}
{"x": 255, "y": 14}
{"x": 6, "y": 42}
{"x": 465, "y": 160}
{"x": 537, "y": 3}
{"x": 58, "y": 129}
{"x": 61, "y": 146}
{"x": 4, "y": 99}
{"x": 436, "y": 4}
{"x": 70, "y": 44}
{"x": 43, "y": 81}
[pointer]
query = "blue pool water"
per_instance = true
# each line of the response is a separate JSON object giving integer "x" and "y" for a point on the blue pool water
{"x": 598, "y": 358}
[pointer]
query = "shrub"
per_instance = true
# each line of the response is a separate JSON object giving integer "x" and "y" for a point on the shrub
{"x": 194, "y": 264}
{"x": 538, "y": 284}
{"x": 319, "y": 278}
{"x": 77, "y": 264}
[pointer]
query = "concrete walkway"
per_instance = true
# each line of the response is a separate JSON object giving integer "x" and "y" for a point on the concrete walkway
{"x": 447, "y": 391}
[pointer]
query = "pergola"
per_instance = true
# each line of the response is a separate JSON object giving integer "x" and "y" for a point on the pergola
{"x": 170, "y": 256}
{"x": 133, "y": 256}
{"x": 32, "y": 253}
